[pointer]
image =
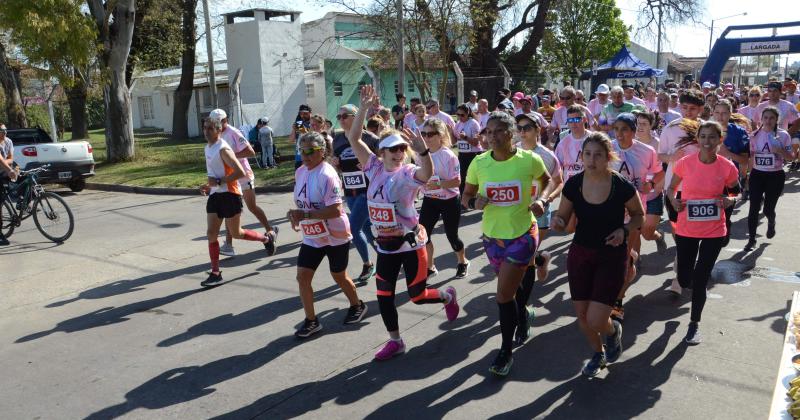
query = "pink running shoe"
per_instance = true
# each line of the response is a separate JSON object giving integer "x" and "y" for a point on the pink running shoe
{"x": 391, "y": 349}
{"x": 451, "y": 309}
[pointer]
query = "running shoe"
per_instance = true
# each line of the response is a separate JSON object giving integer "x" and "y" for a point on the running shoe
{"x": 356, "y": 313}
{"x": 523, "y": 331}
{"x": 452, "y": 308}
{"x": 661, "y": 244}
{"x": 614, "y": 343}
{"x": 693, "y": 334}
{"x": 595, "y": 364}
{"x": 461, "y": 270}
{"x": 366, "y": 273}
{"x": 675, "y": 287}
{"x": 4, "y": 241}
{"x": 432, "y": 272}
{"x": 212, "y": 280}
{"x": 391, "y": 349}
{"x": 272, "y": 238}
{"x": 227, "y": 250}
{"x": 751, "y": 245}
{"x": 770, "y": 230}
{"x": 502, "y": 363}
{"x": 309, "y": 328}
{"x": 617, "y": 311}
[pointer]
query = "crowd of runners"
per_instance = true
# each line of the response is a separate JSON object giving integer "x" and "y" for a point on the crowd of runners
{"x": 615, "y": 163}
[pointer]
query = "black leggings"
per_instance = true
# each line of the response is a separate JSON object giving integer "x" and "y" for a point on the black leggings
{"x": 464, "y": 159}
{"x": 766, "y": 187}
{"x": 450, "y": 212}
{"x": 415, "y": 265}
{"x": 694, "y": 270}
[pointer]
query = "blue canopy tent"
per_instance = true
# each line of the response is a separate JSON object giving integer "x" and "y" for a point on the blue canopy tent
{"x": 624, "y": 65}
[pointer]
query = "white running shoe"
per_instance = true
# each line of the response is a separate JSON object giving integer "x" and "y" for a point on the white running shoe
{"x": 227, "y": 250}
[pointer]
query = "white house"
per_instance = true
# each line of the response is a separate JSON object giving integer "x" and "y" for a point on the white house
{"x": 153, "y": 97}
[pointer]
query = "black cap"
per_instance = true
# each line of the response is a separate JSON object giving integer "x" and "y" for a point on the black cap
{"x": 504, "y": 91}
{"x": 775, "y": 85}
{"x": 530, "y": 116}
{"x": 304, "y": 107}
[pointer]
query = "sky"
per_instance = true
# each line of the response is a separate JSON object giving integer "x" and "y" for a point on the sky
{"x": 687, "y": 39}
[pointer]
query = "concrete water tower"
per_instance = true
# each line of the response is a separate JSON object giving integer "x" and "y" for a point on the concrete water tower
{"x": 266, "y": 45}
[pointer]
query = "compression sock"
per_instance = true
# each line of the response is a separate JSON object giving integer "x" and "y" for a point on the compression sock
{"x": 213, "y": 253}
{"x": 525, "y": 288}
{"x": 508, "y": 323}
{"x": 251, "y": 235}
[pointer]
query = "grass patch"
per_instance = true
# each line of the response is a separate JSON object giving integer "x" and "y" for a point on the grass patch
{"x": 163, "y": 162}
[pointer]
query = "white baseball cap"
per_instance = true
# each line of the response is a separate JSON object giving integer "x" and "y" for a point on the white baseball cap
{"x": 602, "y": 89}
{"x": 392, "y": 140}
{"x": 707, "y": 85}
{"x": 217, "y": 114}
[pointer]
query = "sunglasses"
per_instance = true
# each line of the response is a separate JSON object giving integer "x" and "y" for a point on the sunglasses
{"x": 428, "y": 134}
{"x": 754, "y": 95}
{"x": 429, "y": 106}
{"x": 574, "y": 119}
{"x": 398, "y": 148}
{"x": 308, "y": 151}
{"x": 461, "y": 115}
{"x": 526, "y": 127}
{"x": 565, "y": 98}
{"x": 343, "y": 116}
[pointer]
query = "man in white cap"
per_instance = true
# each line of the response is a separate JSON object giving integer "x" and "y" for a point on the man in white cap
{"x": 242, "y": 150}
{"x": 599, "y": 102}
{"x": 707, "y": 86}
{"x": 265, "y": 139}
{"x": 473, "y": 101}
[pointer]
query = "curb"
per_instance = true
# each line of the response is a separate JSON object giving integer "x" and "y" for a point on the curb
{"x": 173, "y": 191}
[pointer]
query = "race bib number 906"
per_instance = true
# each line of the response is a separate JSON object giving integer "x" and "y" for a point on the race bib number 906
{"x": 504, "y": 193}
{"x": 702, "y": 210}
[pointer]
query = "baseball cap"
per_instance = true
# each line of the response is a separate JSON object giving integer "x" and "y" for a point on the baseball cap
{"x": 504, "y": 91}
{"x": 264, "y": 120}
{"x": 518, "y": 95}
{"x": 728, "y": 86}
{"x": 628, "y": 118}
{"x": 707, "y": 85}
{"x": 775, "y": 85}
{"x": 530, "y": 116}
{"x": 602, "y": 89}
{"x": 527, "y": 99}
{"x": 217, "y": 114}
{"x": 391, "y": 141}
{"x": 304, "y": 107}
{"x": 473, "y": 93}
{"x": 545, "y": 98}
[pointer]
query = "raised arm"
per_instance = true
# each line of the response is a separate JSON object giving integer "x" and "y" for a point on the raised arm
{"x": 424, "y": 160}
{"x": 368, "y": 99}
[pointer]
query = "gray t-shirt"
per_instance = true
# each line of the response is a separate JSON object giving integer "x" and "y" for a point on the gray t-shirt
{"x": 6, "y": 148}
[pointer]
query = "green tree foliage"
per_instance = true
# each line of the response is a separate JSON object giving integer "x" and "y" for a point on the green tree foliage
{"x": 52, "y": 34}
{"x": 582, "y": 31}
{"x": 157, "y": 41}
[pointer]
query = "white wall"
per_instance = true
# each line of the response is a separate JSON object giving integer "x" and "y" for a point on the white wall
{"x": 318, "y": 102}
{"x": 243, "y": 48}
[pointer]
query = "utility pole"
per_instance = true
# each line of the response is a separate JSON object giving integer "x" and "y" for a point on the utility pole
{"x": 401, "y": 54}
{"x": 212, "y": 77}
{"x": 658, "y": 44}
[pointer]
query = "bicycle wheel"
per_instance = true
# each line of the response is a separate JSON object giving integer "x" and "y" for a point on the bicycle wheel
{"x": 53, "y": 217}
{"x": 6, "y": 218}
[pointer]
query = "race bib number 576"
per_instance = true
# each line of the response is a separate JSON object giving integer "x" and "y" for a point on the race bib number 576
{"x": 504, "y": 193}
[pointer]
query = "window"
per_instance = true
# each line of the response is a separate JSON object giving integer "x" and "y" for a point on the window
{"x": 309, "y": 90}
{"x": 337, "y": 88}
{"x": 396, "y": 87}
{"x": 146, "y": 107}
{"x": 411, "y": 86}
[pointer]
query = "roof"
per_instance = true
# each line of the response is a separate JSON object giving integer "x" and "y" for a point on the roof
{"x": 269, "y": 12}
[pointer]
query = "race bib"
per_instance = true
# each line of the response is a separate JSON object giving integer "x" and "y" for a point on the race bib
{"x": 535, "y": 190}
{"x": 354, "y": 180}
{"x": 764, "y": 160}
{"x": 702, "y": 210}
{"x": 314, "y": 228}
{"x": 435, "y": 191}
{"x": 504, "y": 193}
{"x": 382, "y": 214}
{"x": 463, "y": 146}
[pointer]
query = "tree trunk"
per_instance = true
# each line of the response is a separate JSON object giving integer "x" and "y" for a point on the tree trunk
{"x": 9, "y": 78}
{"x": 116, "y": 35}
{"x": 76, "y": 95}
{"x": 183, "y": 94}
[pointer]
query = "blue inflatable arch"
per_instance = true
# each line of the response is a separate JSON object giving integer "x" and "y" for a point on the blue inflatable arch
{"x": 726, "y": 48}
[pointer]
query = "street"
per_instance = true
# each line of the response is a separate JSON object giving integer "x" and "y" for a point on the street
{"x": 114, "y": 323}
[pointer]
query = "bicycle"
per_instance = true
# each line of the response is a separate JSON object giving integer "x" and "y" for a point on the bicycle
{"x": 50, "y": 212}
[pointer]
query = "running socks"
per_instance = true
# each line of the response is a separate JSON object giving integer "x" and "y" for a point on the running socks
{"x": 251, "y": 235}
{"x": 508, "y": 323}
{"x": 525, "y": 288}
{"x": 213, "y": 253}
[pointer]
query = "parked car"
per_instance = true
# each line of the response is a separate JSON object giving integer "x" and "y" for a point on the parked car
{"x": 71, "y": 162}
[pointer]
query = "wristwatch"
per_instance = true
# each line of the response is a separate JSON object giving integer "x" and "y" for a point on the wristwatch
{"x": 306, "y": 214}
{"x": 425, "y": 153}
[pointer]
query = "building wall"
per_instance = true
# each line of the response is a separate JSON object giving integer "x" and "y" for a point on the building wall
{"x": 244, "y": 50}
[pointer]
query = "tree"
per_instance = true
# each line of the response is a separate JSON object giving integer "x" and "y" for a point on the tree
{"x": 582, "y": 31}
{"x": 157, "y": 40}
{"x": 9, "y": 78}
{"x": 115, "y": 22}
{"x": 183, "y": 94}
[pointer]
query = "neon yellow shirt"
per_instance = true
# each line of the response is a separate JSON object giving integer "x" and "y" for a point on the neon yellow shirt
{"x": 507, "y": 184}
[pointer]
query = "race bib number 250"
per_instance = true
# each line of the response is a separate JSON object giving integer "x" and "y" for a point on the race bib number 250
{"x": 504, "y": 193}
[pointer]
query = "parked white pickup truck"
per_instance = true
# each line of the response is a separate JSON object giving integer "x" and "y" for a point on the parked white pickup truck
{"x": 70, "y": 162}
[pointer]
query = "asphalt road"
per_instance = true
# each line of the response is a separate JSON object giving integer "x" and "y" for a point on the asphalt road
{"x": 113, "y": 323}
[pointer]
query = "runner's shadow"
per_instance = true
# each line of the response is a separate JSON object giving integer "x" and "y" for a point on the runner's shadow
{"x": 121, "y": 287}
{"x": 184, "y": 384}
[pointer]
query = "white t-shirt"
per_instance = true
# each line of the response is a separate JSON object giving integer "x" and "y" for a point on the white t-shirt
{"x": 471, "y": 129}
{"x": 787, "y": 113}
{"x": 448, "y": 120}
{"x": 238, "y": 142}
{"x": 217, "y": 168}
{"x": 668, "y": 144}
{"x": 636, "y": 101}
